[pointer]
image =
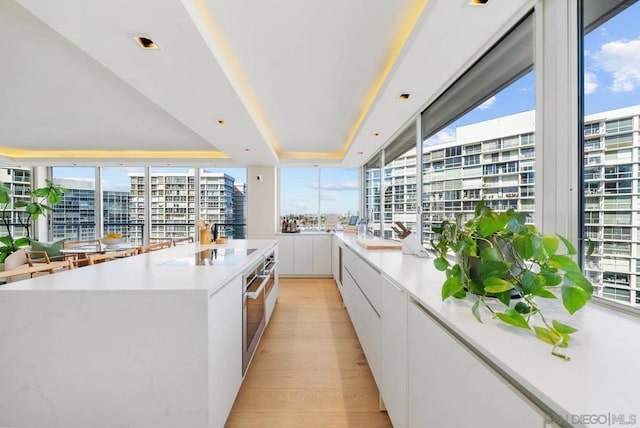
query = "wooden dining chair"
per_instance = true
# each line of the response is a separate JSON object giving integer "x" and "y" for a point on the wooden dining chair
{"x": 180, "y": 241}
{"x": 85, "y": 244}
{"x": 158, "y": 245}
{"x": 111, "y": 255}
{"x": 46, "y": 263}
{"x": 92, "y": 245}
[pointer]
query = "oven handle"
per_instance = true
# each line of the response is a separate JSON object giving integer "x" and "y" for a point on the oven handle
{"x": 270, "y": 271}
{"x": 255, "y": 294}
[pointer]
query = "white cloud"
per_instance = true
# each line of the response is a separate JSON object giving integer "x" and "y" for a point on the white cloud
{"x": 488, "y": 104}
{"x": 621, "y": 59}
{"x": 337, "y": 187}
{"x": 344, "y": 186}
{"x": 590, "y": 82}
{"x": 330, "y": 196}
{"x": 446, "y": 135}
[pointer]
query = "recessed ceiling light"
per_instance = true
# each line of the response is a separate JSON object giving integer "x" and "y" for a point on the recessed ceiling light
{"x": 478, "y": 2}
{"x": 145, "y": 42}
{"x": 360, "y": 153}
{"x": 404, "y": 96}
{"x": 375, "y": 134}
{"x": 247, "y": 149}
{"x": 222, "y": 122}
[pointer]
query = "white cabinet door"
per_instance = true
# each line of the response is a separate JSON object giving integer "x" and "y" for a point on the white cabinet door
{"x": 303, "y": 255}
{"x": 450, "y": 387}
{"x": 393, "y": 352}
{"x": 225, "y": 350}
{"x": 335, "y": 259}
{"x": 285, "y": 254}
{"x": 366, "y": 322}
{"x": 367, "y": 277}
{"x": 321, "y": 254}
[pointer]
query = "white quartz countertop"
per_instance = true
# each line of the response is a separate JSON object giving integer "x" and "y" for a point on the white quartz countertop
{"x": 602, "y": 377}
{"x": 151, "y": 271}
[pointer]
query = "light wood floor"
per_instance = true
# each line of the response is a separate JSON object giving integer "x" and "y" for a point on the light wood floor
{"x": 309, "y": 369}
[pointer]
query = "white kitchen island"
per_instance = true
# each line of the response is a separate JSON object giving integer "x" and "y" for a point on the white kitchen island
{"x": 136, "y": 342}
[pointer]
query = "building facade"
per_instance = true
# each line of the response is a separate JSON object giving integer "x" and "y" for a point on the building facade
{"x": 18, "y": 181}
{"x": 494, "y": 161}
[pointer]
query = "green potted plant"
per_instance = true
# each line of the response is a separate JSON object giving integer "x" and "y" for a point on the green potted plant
{"x": 40, "y": 203}
{"x": 500, "y": 258}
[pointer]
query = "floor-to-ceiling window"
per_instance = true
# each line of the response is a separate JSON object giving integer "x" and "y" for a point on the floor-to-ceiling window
{"x": 123, "y": 201}
{"x": 309, "y": 195}
{"x": 373, "y": 193}
{"x": 479, "y": 136}
{"x": 18, "y": 181}
{"x": 75, "y": 217}
{"x": 223, "y": 200}
{"x": 398, "y": 192}
{"x": 172, "y": 196}
{"x": 611, "y": 147}
{"x": 338, "y": 194}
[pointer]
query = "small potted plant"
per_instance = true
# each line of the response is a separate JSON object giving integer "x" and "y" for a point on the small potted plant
{"x": 501, "y": 258}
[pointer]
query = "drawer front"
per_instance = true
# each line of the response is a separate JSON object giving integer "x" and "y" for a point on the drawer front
{"x": 367, "y": 278}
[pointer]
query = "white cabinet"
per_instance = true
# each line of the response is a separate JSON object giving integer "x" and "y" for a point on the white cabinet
{"x": 450, "y": 387}
{"x": 285, "y": 254}
{"x": 321, "y": 255}
{"x": 305, "y": 255}
{"x": 361, "y": 295}
{"x": 336, "y": 262}
{"x": 367, "y": 277}
{"x": 366, "y": 322}
{"x": 225, "y": 350}
{"x": 393, "y": 352}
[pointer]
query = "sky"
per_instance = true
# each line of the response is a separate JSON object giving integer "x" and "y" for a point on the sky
{"x": 612, "y": 76}
{"x": 612, "y": 80}
{"x": 299, "y": 192}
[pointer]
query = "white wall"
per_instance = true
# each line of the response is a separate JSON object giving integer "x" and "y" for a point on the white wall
{"x": 262, "y": 202}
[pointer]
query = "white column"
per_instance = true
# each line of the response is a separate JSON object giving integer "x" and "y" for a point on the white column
{"x": 557, "y": 184}
{"x": 262, "y": 202}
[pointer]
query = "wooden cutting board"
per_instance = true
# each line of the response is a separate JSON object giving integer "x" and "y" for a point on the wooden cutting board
{"x": 379, "y": 244}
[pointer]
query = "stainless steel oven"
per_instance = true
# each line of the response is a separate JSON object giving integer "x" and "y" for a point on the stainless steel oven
{"x": 253, "y": 311}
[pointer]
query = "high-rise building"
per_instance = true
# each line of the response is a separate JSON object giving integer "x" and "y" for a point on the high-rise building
{"x": 173, "y": 203}
{"x": 494, "y": 161}
{"x": 18, "y": 181}
{"x": 491, "y": 161}
{"x": 611, "y": 202}
{"x": 240, "y": 210}
{"x": 74, "y": 217}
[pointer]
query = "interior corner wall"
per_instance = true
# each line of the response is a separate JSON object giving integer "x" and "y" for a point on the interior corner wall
{"x": 262, "y": 202}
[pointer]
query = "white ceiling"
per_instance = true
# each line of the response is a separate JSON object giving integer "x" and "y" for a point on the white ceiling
{"x": 298, "y": 83}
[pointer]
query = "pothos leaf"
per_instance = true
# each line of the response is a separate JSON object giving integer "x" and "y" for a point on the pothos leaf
{"x": 512, "y": 317}
{"x": 475, "y": 309}
{"x": 441, "y": 263}
{"x": 451, "y": 286}
{"x": 571, "y": 250}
